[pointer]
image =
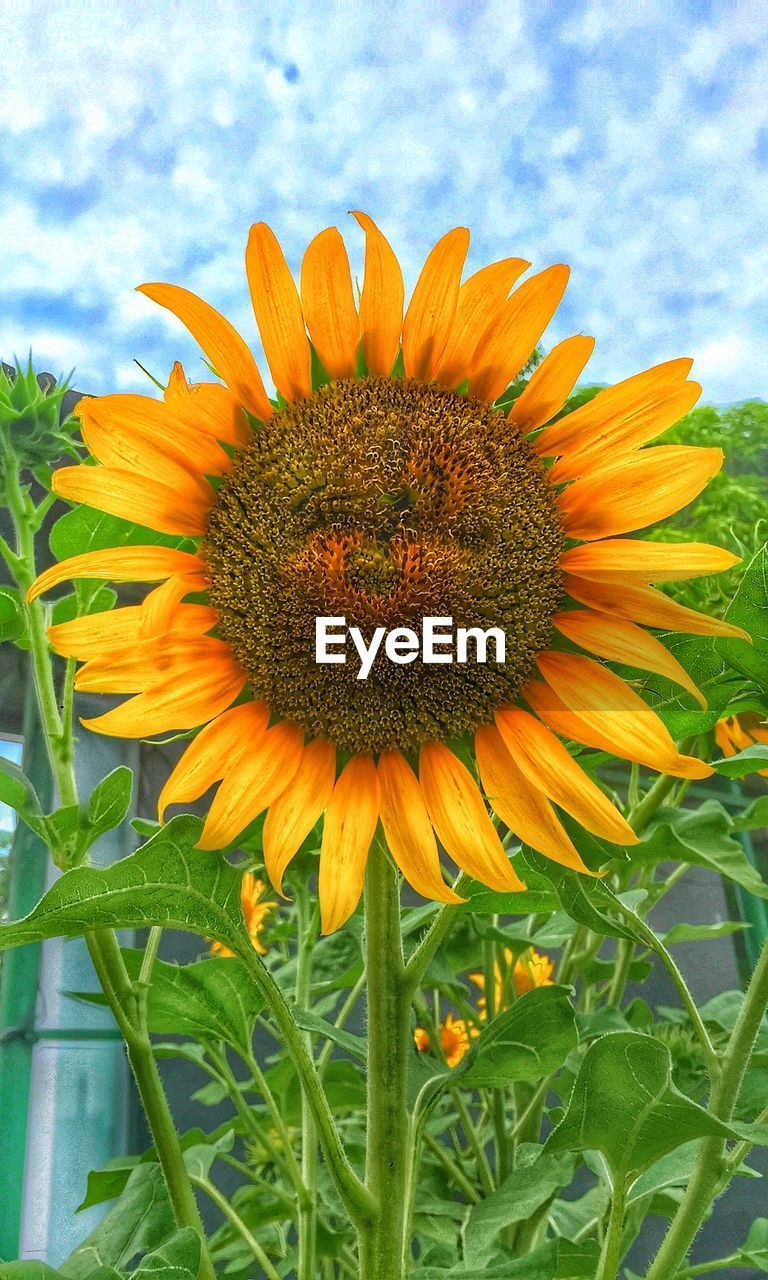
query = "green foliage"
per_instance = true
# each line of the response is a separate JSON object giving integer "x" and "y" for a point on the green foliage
{"x": 32, "y": 434}
{"x": 526, "y": 1042}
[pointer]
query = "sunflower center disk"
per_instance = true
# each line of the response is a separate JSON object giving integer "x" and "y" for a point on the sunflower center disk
{"x": 384, "y": 501}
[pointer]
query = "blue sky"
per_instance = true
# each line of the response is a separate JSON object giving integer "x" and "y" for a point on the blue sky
{"x": 630, "y": 140}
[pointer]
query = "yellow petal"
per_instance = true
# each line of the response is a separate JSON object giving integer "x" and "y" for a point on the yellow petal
{"x": 294, "y": 813}
{"x": 523, "y": 319}
{"x": 548, "y": 766}
{"x": 176, "y": 509}
{"x": 551, "y": 383}
{"x": 432, "y": 308}
{"x": 461, "y": 820}
{"x": 95, "y": 634}
{"x": 608, "y": 707}
{"x": 162, "y": 607}
{"x": 136, "y": 433}
{"x": 480, "y": 300}
{"x": 408, "y": 829}
{"x": 620, "y": 741}
{"x": 626, "y": 433}
{"x": 221, "y": 343}
{"x": 612, "y": 412}
{"x": 637, "y": 491}
{"x": 178, "y": 704}
{"x": 381, "y": 301}
{"x": 350, "y": 822}
{"x": 635, "y": 560}
{"x": 524, "y": 809}
{"x": 213, "y": 753}
{"x": 256, "y": 779}
{"x": 649, "y": 607}
{"x": 118, "y": 564}
{"x": 329, "y": 305}
{"x": 208, "y": 407}
{"x": 622, "y": 641}
{"x": 278, "y": 313}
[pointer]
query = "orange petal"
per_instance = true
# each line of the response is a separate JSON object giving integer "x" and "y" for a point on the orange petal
{"x": 619, "y": 742}
{"x": 637, "y": 491}
{"x": 118, "y": 564}
{"x": 429, "y": 318}
{"x": 626, "y": 433}
{"x": 94, "y": 634}
{"x": 609, "y": 708}
{"x": 381, "y": 301}
{"x": 508, "y": 344}
{"x": 551, "y": 383}
{"x": 648, "y": 606}
{"x": 222, "y": 344}
{"x": 408, "y": 829}
{"x": 548, "y": 766}
{"x": 208, "y": 407}
{"x": 162, "y": 607}
{"x": 137, "y": 433}
{"x": 633, "y": 559}
{"x": 216, "y": 750}
{"x": 622, "y": 641}
{"x": 461, "y": 820}
{"x": 522, "y": 807}
{"x": 203, "y": 693}
{"x": 256, "y": 778}
{"x": 294, "y": 813}
{"x": 160, "y": 661}
{"x": 624, "y": 407}
{"x": 278, "y": 313}
{"x": 481, "y": 297}
{"x": 177, "y": 508}
{"x": 329, "y": 305}
{"x": 350, "y": 822}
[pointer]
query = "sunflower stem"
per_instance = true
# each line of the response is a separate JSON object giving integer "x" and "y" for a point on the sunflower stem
{"x": 383, "y": 1248}
{"x": 307, "y": 920}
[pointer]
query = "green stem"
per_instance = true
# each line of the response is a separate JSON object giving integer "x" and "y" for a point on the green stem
{"x": 470, "y": 1132}
{"x": 706, "y": 1268}
{"x": 234, "y": 1218}
{"x": 452, "y": 1169}
{"x": 611, "y": 1255}
{"x": 307, "y": 923}
{"x": 712, "y": 1162}
{"x": 383, "y": 1247}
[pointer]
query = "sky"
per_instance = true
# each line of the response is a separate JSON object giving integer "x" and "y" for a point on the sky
{"x": 139, "y": 142}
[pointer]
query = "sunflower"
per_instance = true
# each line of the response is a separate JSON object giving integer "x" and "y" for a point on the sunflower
{"x": 736, "y": 733}
{"x": 531, "y": 969}
{"x": 255, "y": 912}
{"x": 454, "y": 1039}
{"x": 394, "y": 476}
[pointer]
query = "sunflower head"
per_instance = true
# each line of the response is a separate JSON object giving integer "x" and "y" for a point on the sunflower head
{"x": 392, "y": 477}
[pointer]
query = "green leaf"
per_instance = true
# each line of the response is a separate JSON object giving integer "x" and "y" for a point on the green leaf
{"x": 108, "y": 803}
{"x": 87, "y": 598}
{"x": 141, "y": 1220}
{"x": 167, "y": 882}
{"x": 109, "y": 1182}
{"x": 749, "y": 609}
{"x": 200, "y": 1157}
{"x": 526, "y": 1042}
{"x": 524, "y": 1191}
{"x": 554, "y": 1260}
{"x": 701, "y": 932}
{"x": 753, "y": 818}
{"x": 27, "y": 1271}
{"x": 704, "y": 838}
{"x": 754, "y": 1251}
{"x": 625, "y": 1104}
{"x": 585, "y": 900}
{"x": 750, "y": 760}
{"x": 308, "y": 1020}
{"x": 12, "y": 624}
{"x": 177, "y": 1259}
{"x": 209, "y": 1000}
{"x": 17, "y": 792}
{"x": 85, "y": 529}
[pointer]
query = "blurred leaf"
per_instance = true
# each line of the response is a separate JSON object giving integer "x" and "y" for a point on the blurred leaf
{"x": 753, "y": 818}
{"x": 108, "y": 1182}
{"x": 177, "y": 1259}
{"x": 524, "y": 1191}
{"x": 84, "y": 529}
{"x": 12, "y": 624}
{"x": 84, "y": 601}
{"x": 525, "y": 1042}
{"x": 754, "y": 1251}
{"x": 701, "y": 932}
{"x": 625, "y": 1104}
{"x": 749, "y": 609}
